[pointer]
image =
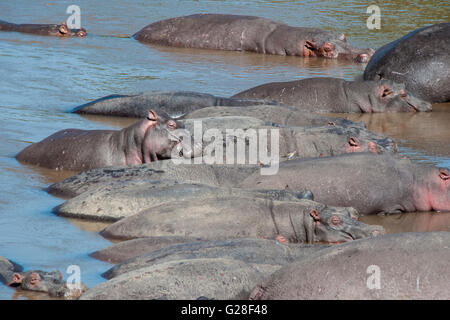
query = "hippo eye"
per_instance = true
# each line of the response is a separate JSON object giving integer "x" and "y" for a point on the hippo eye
{"x": 402, "y": 94}
{"x": 171, "y": 124}
{"x": 335, "y": 220}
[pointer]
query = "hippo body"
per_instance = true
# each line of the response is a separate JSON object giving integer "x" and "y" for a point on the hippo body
{"x": 248, "y": 33}
{"x": 338, "y": 95}
{"x": 191, "y": 279}
{"x": 294, "y": 142}
{"x": 174, "y": 104}
{"x": 76, "y": 150}
{"x": 370, "y": 183}
{"x": 420, "y": 60}
{"x": 161, "y": 173}
{"x": 107, "y": 202}
{"x": 273, "y": 114}
{"x": 252, "y": 251}
{"x": 225, "y": 217}
{"x": 406, "y": 266}
{"x": 56, "y": 30}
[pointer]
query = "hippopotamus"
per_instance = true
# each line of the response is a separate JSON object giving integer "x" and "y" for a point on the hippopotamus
{"x": 170, "y": 103}
{"x": 338, "y": 95}
{"x": 221, "y": 218}
{"x": 51, "y": 282}
{"x": 405, "y": 266}
{"x": 249, "y": 33}
{"x": 371, "y": 183}
{"x": 75, "y": 150}
{"x": 56, "y": 30}
{"x": 107, "y": 202}
{"x": 420, "y": 60}
{"x": 295, "y": 141}
{"x": 254, "y": 251}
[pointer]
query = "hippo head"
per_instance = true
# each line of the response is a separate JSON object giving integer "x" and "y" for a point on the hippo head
{"x": 431, "y": 190}
{"x": 385, "y": 96}
{"x": 336, "y": 225}
{"x": 38, "y": 281}
{"x": 48, "y": 282}
{"x": 337, "y": 48}
{"x": 167, "y": 138}
{"x": 64, "y": 31}
{"x": 353, "y": 139}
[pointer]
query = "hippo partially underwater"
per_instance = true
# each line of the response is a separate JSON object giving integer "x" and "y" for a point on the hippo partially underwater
{"x": 248, "y": 33}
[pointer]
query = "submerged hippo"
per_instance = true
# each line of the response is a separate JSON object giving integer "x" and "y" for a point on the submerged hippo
{"x": 52, "y": 282}
{"x": 368, "y": 182}
{"x": 398, "y": 266}
{"x": 73, "y": 149}
{"x": 248, "y": 33}
{"x": 293, "y": 142}
{"x": 338, "y": 95}
{"x": 242, "y": 217}
{"x": 420, "y": 60}
{"x": 175, "y": 104}
{"x": 57, "y": 30}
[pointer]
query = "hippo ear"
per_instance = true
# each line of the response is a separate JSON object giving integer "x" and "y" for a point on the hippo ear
{"x": 63, "y": 28}
{"x": 152, "y": 115}
{"x": 444, "y": 174}
{"x": 315, "y": 215}
{"x": 353, "y": 142}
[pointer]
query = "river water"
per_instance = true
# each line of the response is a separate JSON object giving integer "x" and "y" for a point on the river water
{"x": 41, "y": 78}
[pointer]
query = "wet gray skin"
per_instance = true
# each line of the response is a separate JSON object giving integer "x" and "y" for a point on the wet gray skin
{"x": 338, "y": 95}
{"x": 221, "y": 218}
{"x": 249, "y": 33}
{"x": 410, "y": 265}
{"x": 420, "y": 60}
{"x": 174, "y": 104}
{"x": 57, "y": 30}
{"x": 145, "y": 141}
{"x": 371, "y": 183}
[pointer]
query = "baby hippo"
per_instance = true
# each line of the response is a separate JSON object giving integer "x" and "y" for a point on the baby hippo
{"x": 147, "y": 140}
{"x": 56, "y": 30}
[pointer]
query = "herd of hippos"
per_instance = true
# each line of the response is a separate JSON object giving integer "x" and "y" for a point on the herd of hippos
{"x": 220, "y": 231}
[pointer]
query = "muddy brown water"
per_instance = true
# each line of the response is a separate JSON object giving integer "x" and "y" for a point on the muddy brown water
{"x": 42, "y": 78}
